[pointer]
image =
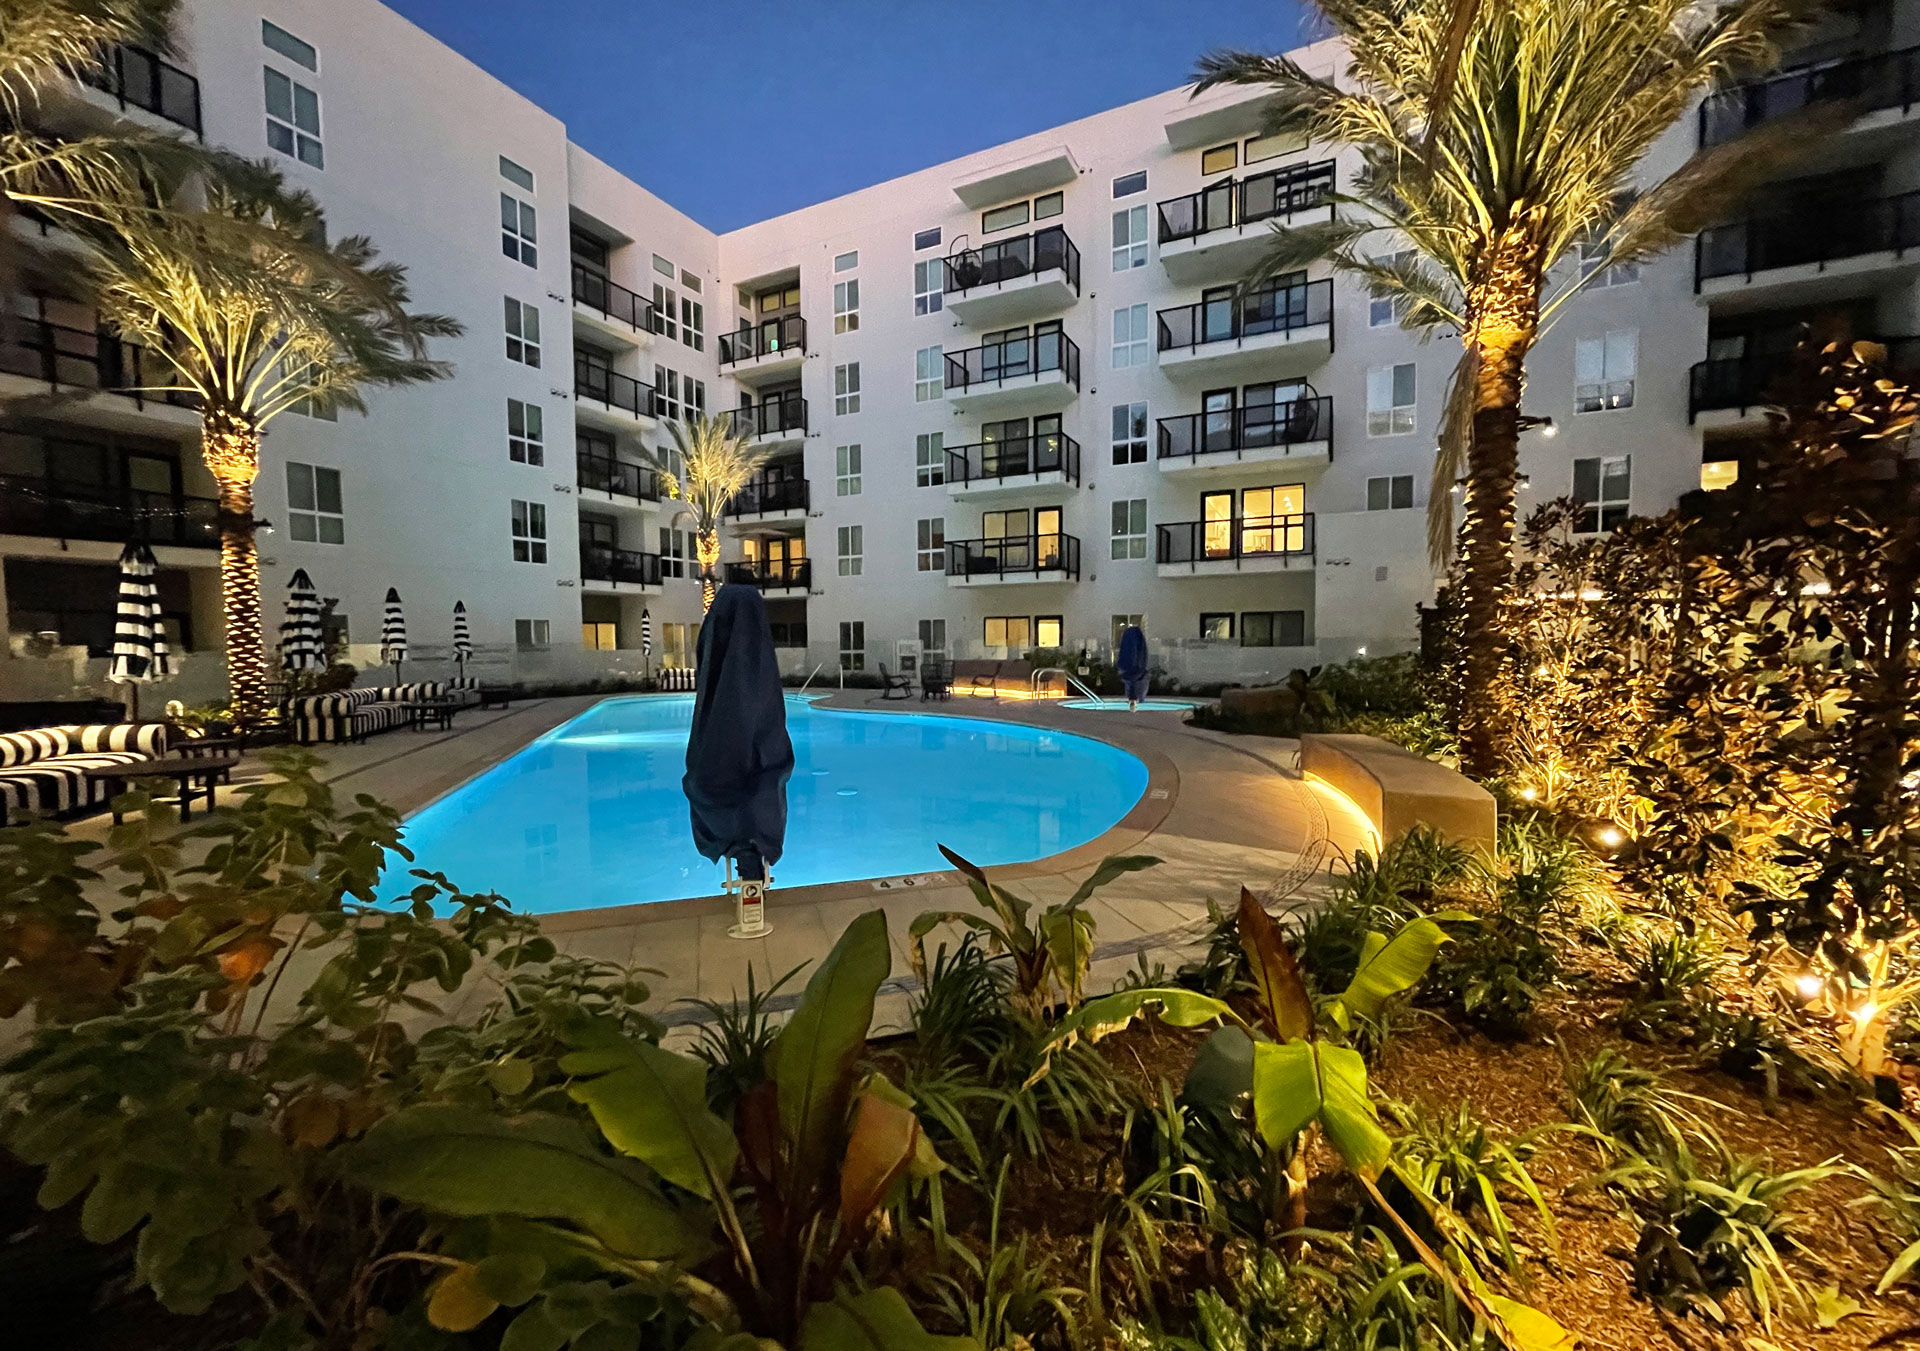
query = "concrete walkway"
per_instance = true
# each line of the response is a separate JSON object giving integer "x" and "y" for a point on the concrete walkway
{"x": 1220, "y": 812}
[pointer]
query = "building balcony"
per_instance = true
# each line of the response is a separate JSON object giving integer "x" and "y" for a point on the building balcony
{"x": 760, "y": 352}
{"x": 769, "y": 500}
{"x": 39, "y": 358}
{"x": 606, "y": 481}
{"x": 1268, "y": 334}
{"x": 1243, "y": 544}
{"x": 50, "y": 509}
{"x": 1011, "y": 281}
{"x": 1035, "y": 373}
{"x": 134, "y": 80}
{"x": 605, "y": 569}
{"x": 1219, "y": 233}
{"x": 772, "y": 423}
{"x": 1737, "y": 391}
{"x": 1013, "y": 560}
{"x": 609, "y": 399}
{"x": 1808, "y": 255}
{"x": 1883, "y": 87}
{"x": 610, "y": 308}
{"x": 777, "y": 578}
{"x": 1298, "y": 433}
{"x": 1006, "y": 468}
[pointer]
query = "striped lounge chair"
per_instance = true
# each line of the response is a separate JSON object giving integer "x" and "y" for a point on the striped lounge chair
{"x": 353, "y": 715}
{"x": 42, "y": 772}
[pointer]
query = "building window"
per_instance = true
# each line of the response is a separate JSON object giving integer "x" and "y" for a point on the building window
{"x": 852, "y": 550}
{"x": 929, "y": 374}
{"x": 929, "y": 279}
{"x": 1130, "y": 528}
{"x": 532, "y": 633}
{"x": 529, "y": 532}
{"x": 688, "y": 280}
{"x": 1595, "y": 270}
{"x": 1046, "y": 631}
{"x": 1129, "y": 238}
{"x": 1019, "y": 213}
{"x": 846, "y": 388}
{"x": 673, "y": 552}
{"x": 1129, "y": 433}
{"x": 846, "y": 471}
{"x": 1121, "y": 623}
{"x": 293, "y": 119}
{"x": 930, "y": 548}
{"x": 853, "y": 645}
{"x": 1390, "y": 399}
{"x": 1716, "y": 475}
{"x": 1604, "y": 371}
{"x": 665, "y": 267}
{"x": 1220, "y": 159}
{"x": 933, "y": 637}
{"x": 1216, "y": 628}
{"x": 1602, "y": 487}
{"x": 278, "y": 39}
{"x": 846, "y": 305}
{"x": 1393, "y": 493}
{"x": 516, "y": 230}
{"x": 693, "y": 324}
{"x": 1259, "y": 149}
{"x": 666, "y": 393}
{"x": 1010, "y": 631}
{"x": 1383, "y": 310}
{"x": 1273, "y": 628}
{"x": 846, "y": 262}
{"x": 523, "y": 332}
{"x": 926, "y": 239}
{"x": 314, "y": 511}
{"x": 1129, "y": 336}
{"x": 666, "y": 308}
{"x": 929, "y": 459}
{"x": 519, "y": 177}
{"x": 1128, "y": 184}
{"x": 1049, "y": 206}
{"x": 526, "y": 433}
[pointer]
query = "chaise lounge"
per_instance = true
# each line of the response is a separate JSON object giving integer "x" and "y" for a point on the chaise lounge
{"x": 354, "y": 715}
{"x": 44, "y": 771}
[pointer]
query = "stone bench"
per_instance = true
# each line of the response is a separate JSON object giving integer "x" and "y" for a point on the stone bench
{"x": 1398, "y": 790}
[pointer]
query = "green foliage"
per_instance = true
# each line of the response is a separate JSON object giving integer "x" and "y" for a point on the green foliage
{"x": 1672, "y": 978}
{"x": 1896, "y": 1194}
{"x": 1005, "y": 1297}
{"x": 735, "y": 1039}
{"x": 1461, "y": 1169}
{"x": 1629, "y": 1109}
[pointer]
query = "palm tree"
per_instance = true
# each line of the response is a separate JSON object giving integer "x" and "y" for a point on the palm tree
{"x": 716, "y": 461}
{"x": 255, "y": 313}
{"x": 1495, "y": 138}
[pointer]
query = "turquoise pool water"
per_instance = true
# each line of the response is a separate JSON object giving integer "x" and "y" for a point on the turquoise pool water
{"x": 1120, "y": 705}
{"x": 592, "y": 815}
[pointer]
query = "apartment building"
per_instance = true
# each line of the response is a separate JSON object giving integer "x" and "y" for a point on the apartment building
{"x": 1009, "y": 401}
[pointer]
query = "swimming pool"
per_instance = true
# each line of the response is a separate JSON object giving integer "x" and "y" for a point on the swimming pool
{"x": 1120, "y": 705}
{"x": 592, "y": 815}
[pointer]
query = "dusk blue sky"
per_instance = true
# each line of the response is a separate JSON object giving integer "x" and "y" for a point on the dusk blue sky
{"x": 736, "y": 110}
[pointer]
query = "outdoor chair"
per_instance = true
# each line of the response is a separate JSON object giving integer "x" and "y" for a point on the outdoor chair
{"x": 892, "y": 685}
{"x": 936, "y": 680}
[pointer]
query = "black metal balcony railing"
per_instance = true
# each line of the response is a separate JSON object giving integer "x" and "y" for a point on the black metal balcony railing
{"x": 622, "y": 478}
{"x": 136, "y": 77}
{"x": 1873, "y": 83}
{"x": 1303, "y": 421}
{"x": 1012, "y": 358}
{"x": 771, "y": 417}
{"x": 996, "y": 461}
{"x": 1220, "y": 206}
{"x": 604, "y": 563}
{"x": 764, "y": 339}
{"x": 594, "y": 381}
{"x": 1277, "y": 309}
{"x": 1748, "y": 381}
{"x": 773, "y": 574}
{"x": 765, "y": 495}
{"x": 76, "y": 358}
{"x": 50, "y": 509}
{"x": 1014, "y": 554}
{"x": 1048, "y": 250}
{"x": 1282, "y": 537}
{"x": 609, "y": 298}
{"x": 1808, "y": 234}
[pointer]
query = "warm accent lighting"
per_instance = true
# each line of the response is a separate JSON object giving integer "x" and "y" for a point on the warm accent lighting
{"x": 1346, "y": 807}
{"x": 1529, "y": 793}
{"x": 1808, "y": 985}
{"x": 1611, "y": 837}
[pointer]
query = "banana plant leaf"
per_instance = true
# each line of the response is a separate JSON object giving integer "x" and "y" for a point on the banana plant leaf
{"x": 1112, "y": 1013}
{"x": 1299, "y": 1083}
{"x": 874, "y": 1320}
{"x": 1286, "y": 1007}
{"x": 1391, "y": 966}
{"x": 651, "y": 1104}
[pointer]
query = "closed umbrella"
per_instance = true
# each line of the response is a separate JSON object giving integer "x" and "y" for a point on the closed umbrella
{"x": 462, "y": 637}
{"x": 646, "y": 639}
{"x": 302, "y": 645}
{"x": 739, "y": 756}
{"x": 1132, "y": 664}
{"x": 139, "y": 643}
{"x": 393, "y": 634}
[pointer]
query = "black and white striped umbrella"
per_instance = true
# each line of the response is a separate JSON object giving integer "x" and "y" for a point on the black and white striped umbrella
{"x": 139, "y": 643}
{"x": 462, "y": 637}
{"x": 393, "y": 633}
{"x": 646, "y": 633}
{"x": 302, "y": 645}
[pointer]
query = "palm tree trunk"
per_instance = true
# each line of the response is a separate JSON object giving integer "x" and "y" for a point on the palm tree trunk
{"x": 1493, "y": 469}
{"x": 232, "y": 449}
{"x": 706, "y": 549}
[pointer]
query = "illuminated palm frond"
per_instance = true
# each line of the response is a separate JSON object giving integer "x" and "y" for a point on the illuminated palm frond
{"x": 715, "y": 464}
{"x": 46, "y": 40}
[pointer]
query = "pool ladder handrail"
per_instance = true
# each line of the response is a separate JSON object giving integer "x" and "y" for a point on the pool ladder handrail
{"x": 1033, "y": 681}
{"x": 810, "y": 675}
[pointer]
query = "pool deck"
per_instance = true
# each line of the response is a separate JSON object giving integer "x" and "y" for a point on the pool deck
{"x": 1220, "y": 812}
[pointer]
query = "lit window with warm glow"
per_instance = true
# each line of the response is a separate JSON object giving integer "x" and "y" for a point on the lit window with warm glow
{"x": 1718, "y": 474}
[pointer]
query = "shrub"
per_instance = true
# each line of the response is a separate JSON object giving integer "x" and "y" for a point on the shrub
{"x": 1460, "y": 1169}
{"x": 1628, "y": 1109}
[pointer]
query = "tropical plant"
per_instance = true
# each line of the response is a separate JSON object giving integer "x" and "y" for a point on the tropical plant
{"x": 736, "y": 1039}
{"x": 1490, "y": 167}
{"x": 714, "y": 461}
{"x": 252, "y": 312}
{"x": 1459, "y": 1168}
{"x": 1896, "y": 1193}
{"x": 1052, "y": 949}
{"x": 1005, "y": 1298}
{"x": 1629, "y": 1109}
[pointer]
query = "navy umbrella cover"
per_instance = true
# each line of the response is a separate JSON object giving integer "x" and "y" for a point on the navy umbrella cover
{"x": 739, "y": 756}
{"x": 1132, "y": 662}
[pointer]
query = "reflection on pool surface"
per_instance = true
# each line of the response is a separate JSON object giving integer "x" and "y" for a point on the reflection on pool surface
{"x": 592, "y": 815}
{"x": 1120, "y": 705}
